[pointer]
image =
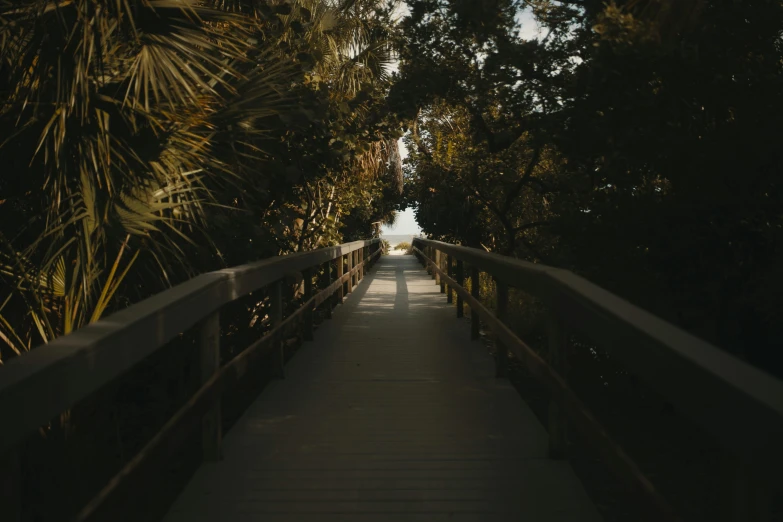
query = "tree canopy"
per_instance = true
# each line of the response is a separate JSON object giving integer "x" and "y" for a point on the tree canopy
{"x": 634, "y": 142}
{"x": 145, "y": 141}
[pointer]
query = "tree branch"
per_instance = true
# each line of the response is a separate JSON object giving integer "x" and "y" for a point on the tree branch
{"x": 533, "y": 224}
{"x": 512, "y": 195}
{"x": 420, "y": 146}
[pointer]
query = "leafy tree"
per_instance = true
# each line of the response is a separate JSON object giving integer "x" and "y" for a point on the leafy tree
{"x": 673, "y": 119}
{"x": 146, "y": 141}
{"x": 650, "y": 127}
{"x": 479, "y": 96}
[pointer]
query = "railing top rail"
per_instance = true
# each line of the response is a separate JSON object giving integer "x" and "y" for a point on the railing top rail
{"x": 48, "y": 380}
{"x": 739, "y": 404}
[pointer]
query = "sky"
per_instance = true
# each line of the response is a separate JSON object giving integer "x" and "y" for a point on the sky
{"x": 406, "y": 224}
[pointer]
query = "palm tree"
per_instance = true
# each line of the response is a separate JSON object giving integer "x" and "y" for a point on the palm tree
{"x": 351, "y": 44}
{"x": 112, "y": 115}
{"x": 129, "y": 125}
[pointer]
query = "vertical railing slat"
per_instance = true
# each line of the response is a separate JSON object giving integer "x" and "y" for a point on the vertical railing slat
{"x": 745, "y": 498}
{"x": 449, "y": 297}
{"x": 276, "y": 317}
{"x": 360, "y": 262}
{"x": 307, "y": 329}
{"x": 439, "y": 264}
{"x": 460, "y": 275}
{"x": 340, "y": 273}
{"x": 209, "y": 358}
{"x": 329, "y": 302}
{"x": 475, "y": 324}
{"x": 349, "y": 285}
{"x": 355, "y": 266}
{"x": 501, "y": 356}
{"x": 556, "y": 357}
{"x": 11, "y": 485}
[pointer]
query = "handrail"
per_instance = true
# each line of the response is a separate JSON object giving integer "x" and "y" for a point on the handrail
{"x": 39, "y": 385}
{"x": 709, "y": 383}
{"x": 740, "y": 405}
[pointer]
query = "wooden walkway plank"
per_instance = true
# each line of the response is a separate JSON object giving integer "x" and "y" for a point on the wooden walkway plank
{"x": 391, "y": 414}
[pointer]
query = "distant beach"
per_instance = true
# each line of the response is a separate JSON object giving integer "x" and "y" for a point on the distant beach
{"x": 396, "y": 239}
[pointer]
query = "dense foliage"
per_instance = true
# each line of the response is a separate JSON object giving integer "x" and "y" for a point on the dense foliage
{"x": 635, "y": 142}
{"x": 145, "y": 141}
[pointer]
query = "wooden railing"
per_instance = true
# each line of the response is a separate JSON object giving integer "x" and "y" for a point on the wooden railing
{"x": 739, "y": 405}
{"x": 40, "y": 385}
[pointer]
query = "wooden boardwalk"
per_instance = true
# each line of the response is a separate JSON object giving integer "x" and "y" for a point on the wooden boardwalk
{"x": 391, "y": 414}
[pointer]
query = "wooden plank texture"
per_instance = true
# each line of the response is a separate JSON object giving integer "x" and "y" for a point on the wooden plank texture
{"x": 391, "y": 414}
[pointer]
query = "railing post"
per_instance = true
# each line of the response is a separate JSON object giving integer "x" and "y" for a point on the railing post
{"x": 11, "y": 484}
{"x": 209, "y": 357}
{"x": 340, "y": 272}
{"x": 435, "y": 273}
{"x": 475, "y": 325}
{"x": 461, "y": 282}
{"x": 307, "y": 334}
{"x": 746, "y": 498}
{"x": 501, "y": 361}
{"x": 558, "y": 421}
{"x": 350, "y": 272}
{"x": 276, "y": 317}
{"x": 329, "y": 303}
{"x": 356, "y": 266}
{"x": 449, "y": 297}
